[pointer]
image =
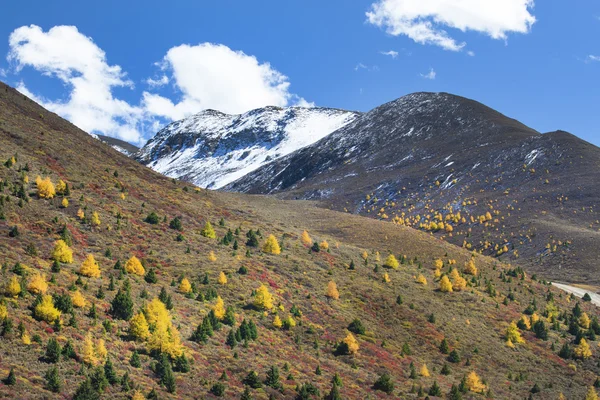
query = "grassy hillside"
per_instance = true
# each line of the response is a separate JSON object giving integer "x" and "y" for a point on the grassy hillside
{"x": 404, "y": 322}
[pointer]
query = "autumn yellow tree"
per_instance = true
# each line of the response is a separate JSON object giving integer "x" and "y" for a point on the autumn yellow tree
{"x": 88, "y": 354}
{"x": 470, "y": 268}
{"x": 62, "y": 253}
{"x": 332, "y": 291}
{"x": 277, "y": 322}
{"x": 78, "y": 299}
{"x": 165, "y": 337}
{"x": 582, "y": 350}
{"x": 45, "y": 310}
{"x": 391, "y": 262}
{"x": 271, "y": 246}
{"x": 3, "y": 312}
{"x": 222, "y": 278}
{"x": 445, "y": 285}
{"x": 263, "y": 299}
{"x": 458, "y": 282}
{"x": 45, "y": 188}
{"x": 421, "y": 279}
{"x": 80, "y": 214}
{"x": 474, "y": 383}
{"x": 61, "y": 187}
{"x": 386, "y": 277}
{"x": 513, "y": 335}
{"x": 324, "y": 245}
{"x": 185, "y": 286}
{"x": 424, "y": 371}
{"x": 219, "y": 308}
{"x": 208, "y": 231}
{"x": 211, "y": 256}
{"x": 584, "y": 321}
{"x": 306, "y": 239}
{"x": 134, "y": 266}
{"x": 90, "y": 267}
{"x": 95, "y": 219}
{"x": 591, "y": 394}
{"x": 101, "y": 351}
{"x": 138, "y": 327}
{"x": 438, "y": 263}
{"x": 13, "y": 288}
{"x": 64, "y": 203}
{"x": 364, "y": 255}
{"x": 351, "y": 343}
{"x": 37, "y": 284}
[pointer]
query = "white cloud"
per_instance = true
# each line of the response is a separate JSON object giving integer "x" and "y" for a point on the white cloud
{"x": 214, "y": 76}
{"x": 430, "y": 75}
{"x": 162, "y": 81}
{"x": 593, "y": 58}
{"x": 391, "y": 53}
{"x": 206, "y": 76}
{"x": 81, "y": 65}
{"x": 360, "y": 66}
{"x": 424, "y": 21}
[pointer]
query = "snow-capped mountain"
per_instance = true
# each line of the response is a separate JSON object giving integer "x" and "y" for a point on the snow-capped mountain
{"x": 212, "y": 149}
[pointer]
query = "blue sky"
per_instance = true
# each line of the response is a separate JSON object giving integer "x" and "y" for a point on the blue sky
{"x": 125, "y": 68}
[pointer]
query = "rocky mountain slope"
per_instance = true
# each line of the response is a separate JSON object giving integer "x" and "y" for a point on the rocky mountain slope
{"x": 120, "y": 145}
{"x": 212, "y": 149}
{"x": 428, "y": 156}
{"x": 339, "y": 318}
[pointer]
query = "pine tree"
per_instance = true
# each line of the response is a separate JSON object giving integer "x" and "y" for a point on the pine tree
{"x": 356, "y": 326}
{"x": 11, "y": 379}
{"x": 85, "y": 391}
{"x": 53, "y": 381}
{"x": 252, "y": 380}
{"x": 435, "y": 390}
{"x": 246, "y": 395}
{"x": 122, "y": 305}
{"x": 263, "y": 300}
{"x": 332, "y": 291}
{"x": 135, "y": 361}
{"x": 90, "y": 267}
{"x": 273, "y": 378}
{"x": 53, "y": 351}
{"x": 444, "y": 348}
{"x": 384, "y": 383}
{"x": 110, "y": 373}
{"x": 271, "y": 246}
{"x": 62, "y": 253}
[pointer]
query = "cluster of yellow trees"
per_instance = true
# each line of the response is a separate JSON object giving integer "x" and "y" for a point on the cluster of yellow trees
{"x": 154, "y": 326}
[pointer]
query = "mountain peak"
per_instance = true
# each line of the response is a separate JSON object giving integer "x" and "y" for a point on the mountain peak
{"x": 212, "y": 149}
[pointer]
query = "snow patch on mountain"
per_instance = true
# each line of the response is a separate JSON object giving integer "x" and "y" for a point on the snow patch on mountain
{"x": 212, "y": 149}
